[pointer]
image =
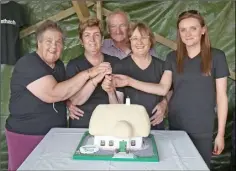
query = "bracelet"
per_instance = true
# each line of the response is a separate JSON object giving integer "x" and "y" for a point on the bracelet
{"x": 93, "y": 83}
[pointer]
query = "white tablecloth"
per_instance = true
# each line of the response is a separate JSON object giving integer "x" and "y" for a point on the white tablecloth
{"x": 176, "y": 152}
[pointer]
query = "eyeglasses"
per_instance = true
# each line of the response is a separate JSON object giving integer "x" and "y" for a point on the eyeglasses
{"x": 190, "y": 12}
{"x": 144, "y": 39}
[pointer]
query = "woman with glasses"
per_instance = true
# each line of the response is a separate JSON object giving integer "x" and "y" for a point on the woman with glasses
{"x": 141, "y": 66}
{"x": 198, "y": 73}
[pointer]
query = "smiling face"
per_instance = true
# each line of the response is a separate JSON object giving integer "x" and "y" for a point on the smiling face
{"x": 140, "y": 42}
{"x": 118, "y": 27}
{"x": 92, "y": 40}
{"x": 50, "y": 45}
{"x": 191, "y": 31}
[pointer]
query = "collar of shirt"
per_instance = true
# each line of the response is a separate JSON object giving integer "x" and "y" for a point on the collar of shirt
{"x": 110, "y": 49}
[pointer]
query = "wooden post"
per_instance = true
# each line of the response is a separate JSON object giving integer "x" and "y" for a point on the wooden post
{"x": 169, "y": 43}
{"x": 99, "y": 10}
{"x": 59, "y": 16}
{"x": 81, "y": 9}
{"x": 104, "y": 11}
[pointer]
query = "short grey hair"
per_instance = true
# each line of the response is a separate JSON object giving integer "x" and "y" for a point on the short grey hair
{"x": 117, "y": 11}
{"x": 48, "y": 25}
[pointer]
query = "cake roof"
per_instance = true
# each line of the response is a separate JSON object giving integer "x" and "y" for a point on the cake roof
{"x": 119, "y": 120}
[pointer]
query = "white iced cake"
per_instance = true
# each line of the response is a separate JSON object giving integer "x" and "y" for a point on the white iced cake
{"x": 120, "y": 120}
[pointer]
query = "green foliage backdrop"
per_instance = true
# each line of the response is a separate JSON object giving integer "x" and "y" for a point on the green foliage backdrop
{"x": 161, "y": 17}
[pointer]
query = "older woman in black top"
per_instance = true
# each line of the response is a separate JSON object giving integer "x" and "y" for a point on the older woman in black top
{"x": 143, "y": 67}
{"x": 38, "y": 92}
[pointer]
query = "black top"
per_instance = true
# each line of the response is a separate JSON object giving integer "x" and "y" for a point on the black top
{"x": 12, "y": 18}
{"x": 99, "y": 96}
{"x": 28, "y": 114}
{"x": 191, "y": 107}
{"x": 151, "y": 74}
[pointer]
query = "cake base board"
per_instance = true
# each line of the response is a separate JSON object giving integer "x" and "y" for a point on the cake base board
{"x": 148, "y": 153}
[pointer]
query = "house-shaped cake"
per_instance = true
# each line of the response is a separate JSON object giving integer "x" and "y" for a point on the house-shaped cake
{"x": 119, "y": 126}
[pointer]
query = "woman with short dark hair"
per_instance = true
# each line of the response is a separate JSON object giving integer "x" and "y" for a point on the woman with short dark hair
{"x": 141, "y": 66}
{"x": 91, "y": 94}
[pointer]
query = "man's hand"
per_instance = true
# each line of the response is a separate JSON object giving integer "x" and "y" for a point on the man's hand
{"x": 159, "y": 113}
{"x": 121, "y": 80}
{"x": 107, "y": 84}
{"x": 75, "y": 112}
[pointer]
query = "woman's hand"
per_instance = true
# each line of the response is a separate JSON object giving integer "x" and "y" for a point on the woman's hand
{"x": 100, "y": 76}
{"x": 101, "y": 68}
{"x": 158, "y": 113}
{"x": 75, "y": 112}
{"x": 219, "y": 144}
{"x": 107, "y": 84}
{"x": 121, "y": 80}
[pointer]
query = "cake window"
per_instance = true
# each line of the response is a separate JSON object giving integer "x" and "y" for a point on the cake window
{"x": 111, "y": 143}
{"x": 102, "y": 143}
{"x": 133, "y": 143}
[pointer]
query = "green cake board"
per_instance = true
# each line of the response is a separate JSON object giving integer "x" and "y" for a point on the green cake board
{"x": 109, "y": 157}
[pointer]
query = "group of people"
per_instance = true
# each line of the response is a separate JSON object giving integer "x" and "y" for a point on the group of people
{"x": 191, "y": 82}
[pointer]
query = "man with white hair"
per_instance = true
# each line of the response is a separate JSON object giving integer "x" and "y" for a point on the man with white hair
{"x": 117, "y": 27}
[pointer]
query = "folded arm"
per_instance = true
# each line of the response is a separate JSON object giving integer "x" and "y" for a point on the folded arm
{"x": 84, "y": 93}
{"x": 49, "y": 90}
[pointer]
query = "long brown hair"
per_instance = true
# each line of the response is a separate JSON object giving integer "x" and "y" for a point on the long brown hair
{"x": 206, "y": 58}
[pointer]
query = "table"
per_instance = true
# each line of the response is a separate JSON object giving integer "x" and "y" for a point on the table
{"x": 55, "y": 151}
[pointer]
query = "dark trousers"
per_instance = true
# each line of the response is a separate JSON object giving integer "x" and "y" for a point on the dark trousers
{"x": 203, "y": 143}
{"x": 204, "y": 147}
{"x": 232, "y": 162}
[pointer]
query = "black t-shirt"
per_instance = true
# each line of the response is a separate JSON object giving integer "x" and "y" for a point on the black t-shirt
{"x": 12, "y": 18}
{"x": 99, "y": 96}
{"x": 28, "y": 114}
{"x": 151, "y": 74}
{"x": 191, "y": 107}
